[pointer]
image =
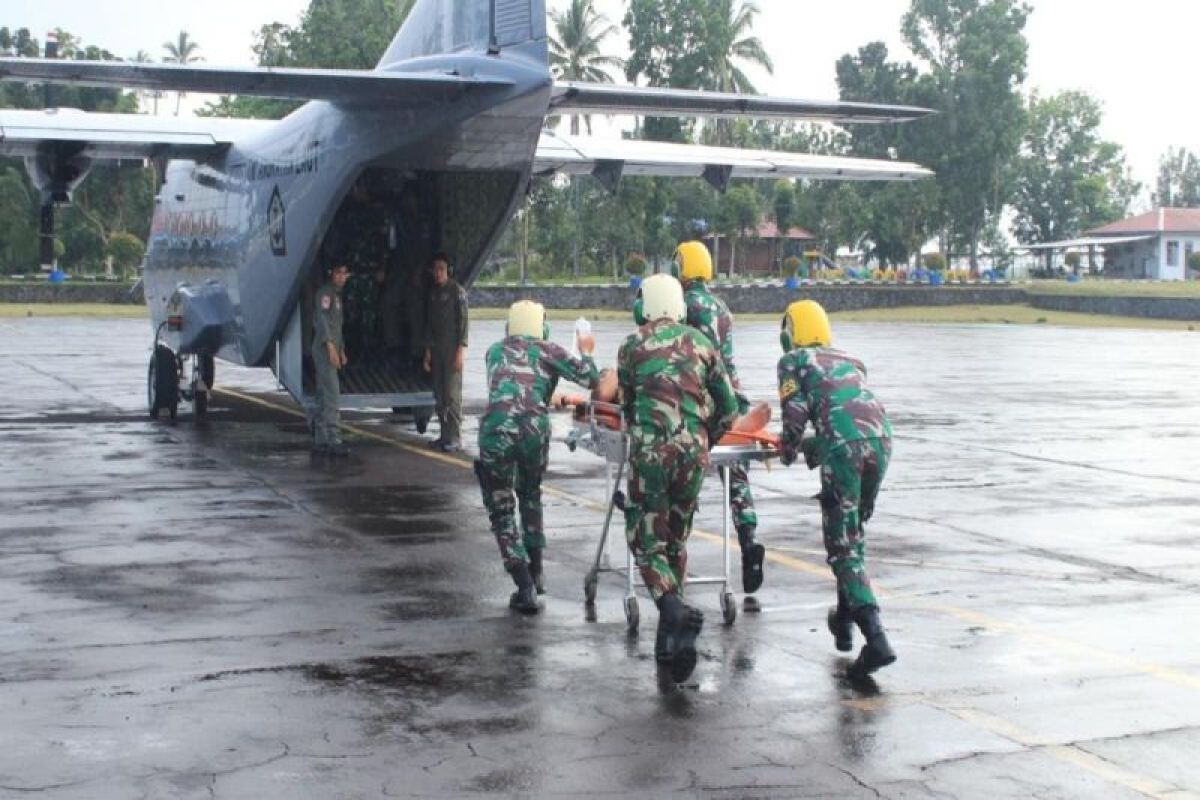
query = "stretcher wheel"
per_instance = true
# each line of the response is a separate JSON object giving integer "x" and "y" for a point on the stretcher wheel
{"x": 589, "y": 588}
{"x": 632, "y": 617}
{"x": 729, "y": 609}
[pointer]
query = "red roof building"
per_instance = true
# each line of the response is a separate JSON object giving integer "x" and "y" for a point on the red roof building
{"x": 1154, "y": 245}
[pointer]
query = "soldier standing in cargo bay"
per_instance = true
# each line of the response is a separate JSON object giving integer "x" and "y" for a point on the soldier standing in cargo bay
{"x": 329, "y": 356}
{"x": 446, "y": 322}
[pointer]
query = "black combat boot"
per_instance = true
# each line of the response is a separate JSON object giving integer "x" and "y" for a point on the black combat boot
{"x": 535, "y": 569}
{"x": 753, "y": 554}
{"x": 876, "y": 653}
{"x": 682, "y": 625}
{"x": 841, "y": 625}
{"x": 524, "y": 599}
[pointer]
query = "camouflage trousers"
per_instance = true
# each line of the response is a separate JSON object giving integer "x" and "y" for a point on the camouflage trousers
{"x": 850, "y": 479}
{"x": 663, "y": 491}
{"x": 741, "y": 502}
{"x": 511, "y": 460}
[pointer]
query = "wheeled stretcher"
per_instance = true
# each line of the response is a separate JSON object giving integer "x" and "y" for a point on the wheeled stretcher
{"x": 600, "y": 430}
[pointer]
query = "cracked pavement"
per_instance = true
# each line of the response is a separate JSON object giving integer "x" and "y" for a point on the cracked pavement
{"x": 201, "y": 610}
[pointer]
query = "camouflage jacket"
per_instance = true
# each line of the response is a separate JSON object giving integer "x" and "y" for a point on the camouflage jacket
{"x": 674, "y": 387}
{"x": 327, "y": 318}
{"x": 522, "y": 375}
{"x": 828, "y": 388}
{"x": 708, "y": 314}
{"x": 446, "y": 317}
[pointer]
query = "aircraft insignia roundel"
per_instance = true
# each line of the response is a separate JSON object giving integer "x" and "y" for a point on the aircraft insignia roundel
{"x": 275, "y": 224}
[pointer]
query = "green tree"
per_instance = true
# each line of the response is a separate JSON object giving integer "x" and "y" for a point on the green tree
{"x": 1178, "y": 184}
{"x": 332, "y": 34}
{"x": 896, "y": 219}
{"x": 731, "y": 46}
{"x": 181, "y": 51}
{"x": 740, "y": 213}
{"x": 975, "y": 52}
{"x": 1067, "y": 179}
{"x": 126, "y": 251}
{"x": 575, "y": 49}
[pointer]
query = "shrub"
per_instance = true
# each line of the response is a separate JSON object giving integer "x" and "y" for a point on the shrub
{"x": 934, "y": 261}
{"x": 1193, "y": 261}
{"x": 793, "y": 267}
{"x": 1073, "y": 260}
{"x": 635, "y": 264}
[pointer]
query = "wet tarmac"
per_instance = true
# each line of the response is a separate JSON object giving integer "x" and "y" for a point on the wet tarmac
{"x": 202, "y": 610}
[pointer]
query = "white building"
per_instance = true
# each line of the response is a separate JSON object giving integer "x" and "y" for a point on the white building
{"x": 1154, "y": 245}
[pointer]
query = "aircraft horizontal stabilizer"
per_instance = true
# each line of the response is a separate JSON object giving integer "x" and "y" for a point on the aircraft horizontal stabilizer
{"x": 611, "y": 159}
{"x": 120, "y": 136}
{"x": 341, "y": 86}
{"x": 598, "y": 98}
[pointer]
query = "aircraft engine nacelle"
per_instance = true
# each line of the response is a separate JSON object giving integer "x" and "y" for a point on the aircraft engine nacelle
{"x": 56, "y": 173}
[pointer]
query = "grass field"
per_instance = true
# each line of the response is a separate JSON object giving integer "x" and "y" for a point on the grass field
{"x": 91, "y": 310}
{"x": 1116, "y": 288}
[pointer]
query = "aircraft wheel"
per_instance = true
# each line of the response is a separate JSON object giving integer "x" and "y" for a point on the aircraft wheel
{"x": 162, "y": 382}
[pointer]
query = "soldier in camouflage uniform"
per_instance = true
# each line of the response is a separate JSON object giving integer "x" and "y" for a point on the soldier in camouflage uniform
{"x": 363, "y": 301}
{"x": 677, "y": 401}
{"x": 852, "y": 445}
{"x": 708, "y": 314}
{"x": 514, "y": 439}
{"x": 329, "y": 356}
{"x": 446, "y": 321}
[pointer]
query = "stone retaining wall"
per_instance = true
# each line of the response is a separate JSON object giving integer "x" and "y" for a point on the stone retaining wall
{"x": 1177, "y": 308}
{"x": 758, "y": 299}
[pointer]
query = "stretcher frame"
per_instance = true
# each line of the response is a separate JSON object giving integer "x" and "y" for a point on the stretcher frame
{"x": 613, "y": 446}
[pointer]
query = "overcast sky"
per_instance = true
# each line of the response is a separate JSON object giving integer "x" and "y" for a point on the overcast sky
{"x": 1137, "y": 58}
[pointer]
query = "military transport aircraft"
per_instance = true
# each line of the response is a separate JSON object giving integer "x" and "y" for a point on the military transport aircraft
{"x": 433, "y": 150}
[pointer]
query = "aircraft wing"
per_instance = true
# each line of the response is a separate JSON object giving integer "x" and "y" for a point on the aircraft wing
{"x": 608, "y": 159}
{"x": 120, "y": 136}
{"x": 600, "y": 98}
{"x": 334, "y": 85}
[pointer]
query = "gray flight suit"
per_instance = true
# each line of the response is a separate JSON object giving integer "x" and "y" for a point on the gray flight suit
{"x": 327, "y": 328}
{"x": 445, "y": 332}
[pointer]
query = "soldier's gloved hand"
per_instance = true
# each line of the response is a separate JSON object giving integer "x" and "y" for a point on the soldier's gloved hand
{"x": 809, "y": 448}
{"x": 787, "y": 456}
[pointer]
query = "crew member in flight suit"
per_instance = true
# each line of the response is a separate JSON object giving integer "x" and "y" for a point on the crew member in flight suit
{"x": 329, "y": 356}
{"x": 523, "y": 370}
{"x": 708, "y": 314}
{"x": 446, "y": 322}
{"x": 676, "y": 399}
{"x": 852, "y": 445}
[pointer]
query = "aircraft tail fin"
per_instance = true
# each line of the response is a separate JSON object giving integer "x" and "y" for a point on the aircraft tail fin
{"x": 434, "y": 27}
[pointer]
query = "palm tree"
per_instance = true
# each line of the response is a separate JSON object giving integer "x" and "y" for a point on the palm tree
{"x": 575, "y": 49}
{"x": 731, "y": 45}
{"x": 142, "y": 57}
{"x": 181, "y": 51}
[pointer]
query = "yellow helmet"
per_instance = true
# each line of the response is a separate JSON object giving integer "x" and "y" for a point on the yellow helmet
{"x": 694, "y": 262}
{"x": 805, "y": 324}
{"x": 660, "y": 296}
{"x": 527, "y": 318}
